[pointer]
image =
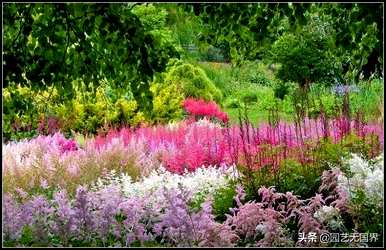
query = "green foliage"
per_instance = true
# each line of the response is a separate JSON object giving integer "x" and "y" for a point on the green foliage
{"x": 247, "y": 31}
{"x": 193, "y": 81}
{"x": 281, "y": 89}
{"x": 358, "y": 37}
{"x": 167, "y": 101}
{"x": 364, "y": 100}
{"x": 54, "y": 44}
{"x": 27, "y": 236}
{"x": 232, "y": 103}
{"x": 323, "y": 99}
{"x": 223, "y": 200}
{"x": 368, "y": 98}
{"x": 368, "y": 217}
{"x": 222, "y": 75}
{"x": 86, "y": 112}
{"x": 55, "y": 51}
{"x": 186, "y": 31}
{"x": 301, "y": 179}
{"x": 304, "y": 179}
{"x": 254, "y": 73}
{"x": 242, "y": 31}
{"x": 20, "y": 112}
{"x": 305, "y": 57}
{"x": 181, "y": 80}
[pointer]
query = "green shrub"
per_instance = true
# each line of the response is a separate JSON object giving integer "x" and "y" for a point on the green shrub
{"x": 181, "y": 80}
{"x": 266, "y": 99}
{"x": 255, "y": 73}
{"x": 231, "y": 79}
{"x": 87, "y": 114}
{"x": 281, "y": 89}
{"x": 20, "y": 112}
{"x": 223, "y": 200}
{"x": 232, "y": 102}
{"x": 249, "y": 97}
{"x": 220, "y": 73}
{"x": 167, "y": 101}
{"x": 24, "y": 109}
{"x": 305, "y": 58}
{"x": 193, "y": 81}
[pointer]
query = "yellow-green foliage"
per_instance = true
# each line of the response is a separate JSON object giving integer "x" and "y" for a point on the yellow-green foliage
{"x": 181, "y": 80}
{"x": 86, "y": 114}
{"x": 167, "y": 101}
{"x": 19, "y": 112}
{"x": 126, "y": 108}
{"x": 193, "y": 81}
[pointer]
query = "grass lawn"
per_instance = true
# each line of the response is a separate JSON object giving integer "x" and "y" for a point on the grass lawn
{"x": 255, "y": 115}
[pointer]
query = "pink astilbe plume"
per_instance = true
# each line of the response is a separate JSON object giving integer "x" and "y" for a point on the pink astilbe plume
{"x": 269, "y": 196}
{"x": 337, "y": 195}
{"x": 13, "y": 220}
{"x": 252, "y": 219}
{"x": 315, "y": 203}
{"x": 209, "y": 109}
{"x": 182, "y": 227}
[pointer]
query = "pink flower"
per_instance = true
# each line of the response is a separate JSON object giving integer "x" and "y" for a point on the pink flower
{"x": 73, "y": 169}
{"x": 43, "y": 183}
{"x": 201, "y": 108}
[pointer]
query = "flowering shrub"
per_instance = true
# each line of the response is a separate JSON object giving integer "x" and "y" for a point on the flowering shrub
{"x": 365, "y": 176}
{"x": 200, "y": 108}
{"x": 190, "y": 145}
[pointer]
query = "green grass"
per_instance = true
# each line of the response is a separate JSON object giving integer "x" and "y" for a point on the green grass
{"x": 256, "y": 116}
{"x": 255, "y": 83}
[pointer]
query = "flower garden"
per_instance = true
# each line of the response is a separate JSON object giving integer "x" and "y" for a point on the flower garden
{"x": 196, "y": 183}
{"x": 193, "y": 125}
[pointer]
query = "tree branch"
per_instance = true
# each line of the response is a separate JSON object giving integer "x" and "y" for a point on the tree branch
{"x": 21, "y": 26}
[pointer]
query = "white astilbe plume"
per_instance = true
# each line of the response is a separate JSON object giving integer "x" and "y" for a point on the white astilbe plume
{"x": 330, "y": 216}
{"x": 366, "y": 176}
{"x": 203, "y": 181}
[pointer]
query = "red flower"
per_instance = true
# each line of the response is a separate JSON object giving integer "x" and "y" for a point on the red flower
{"x": 201, "y": 108}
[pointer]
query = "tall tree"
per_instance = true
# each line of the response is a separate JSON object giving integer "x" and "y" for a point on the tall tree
{"x": 53, "y": 44}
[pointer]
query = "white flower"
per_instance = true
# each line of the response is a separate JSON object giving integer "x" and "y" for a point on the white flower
{"x": 330, "y": 216}
{"x": 207, "y": 123}
{"x": 204, "y": 181}
{"x": 374, "y": 185}
{"x": 261, "y": 229}
{"x": 367, "y": 177}
{"x": 358, "y": 165}
{"x": 326, "y": 213}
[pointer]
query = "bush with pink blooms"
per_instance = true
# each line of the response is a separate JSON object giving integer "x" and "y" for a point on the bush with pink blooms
{"x": 200, "y": 108}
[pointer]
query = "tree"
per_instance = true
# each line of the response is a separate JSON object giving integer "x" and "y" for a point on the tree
{"x": 246, "y": 31}
{"x": 359, "y": 36}
{"x": 306, "y": 56}
{"x": 54, "y": 44}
